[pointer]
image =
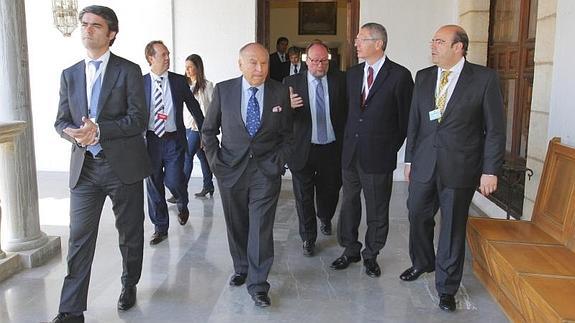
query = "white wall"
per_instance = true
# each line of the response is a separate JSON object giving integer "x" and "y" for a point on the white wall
{"x": 562, "y": 113}
{"x": 410, "y": 25}
{"x": 197, "y": 28}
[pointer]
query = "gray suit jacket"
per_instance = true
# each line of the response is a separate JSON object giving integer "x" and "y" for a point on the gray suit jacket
{"x": 122, "y": 118}
{"x": 269, "y": 148}
{"x": 469, "y": 140}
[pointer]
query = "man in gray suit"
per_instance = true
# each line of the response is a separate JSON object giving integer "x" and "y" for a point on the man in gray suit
{"x": 253, "y": 115}
{"x": 103, "y": 113}
{"x": 455, "y": 143}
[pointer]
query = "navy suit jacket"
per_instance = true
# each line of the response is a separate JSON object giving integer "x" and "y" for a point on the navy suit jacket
{"x": 469, "y": 140}
{"x": 122, "y": 118}
{"x": 269, "y": 148}
{"x": 375, "y": 132}
{"x": 181, "y": 94}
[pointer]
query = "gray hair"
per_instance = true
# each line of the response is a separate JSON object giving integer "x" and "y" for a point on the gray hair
{"x": 377, "y": 31}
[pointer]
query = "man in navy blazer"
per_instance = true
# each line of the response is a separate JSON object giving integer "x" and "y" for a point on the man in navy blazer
{"x": 455, "y": 143}
{"x": 379, "y": 93}
{"x": 166, "y": 93}
{"x": 102, "y": 112}
{"x": 253, "y": 115}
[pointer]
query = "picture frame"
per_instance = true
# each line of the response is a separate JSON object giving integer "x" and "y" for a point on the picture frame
{"x": 317, "y": 18}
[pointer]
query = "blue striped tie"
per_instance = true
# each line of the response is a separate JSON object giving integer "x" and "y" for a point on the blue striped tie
{"x": 320, "y": 113}
{"x": 93, "y": 107}
{"x": 159, "y": 123}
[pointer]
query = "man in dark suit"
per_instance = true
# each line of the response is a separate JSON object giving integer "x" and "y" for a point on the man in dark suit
{"x": 254, "y": 118}
{"x": 455, "y": 142}
{"x": 279, "y": 61}
{"x": 379, "y": 94}
{"x": 102, "y": 112}
{"x": 295, "y": 65}
{"x": 166, "y": 93}
{"x": 320, "y": 108}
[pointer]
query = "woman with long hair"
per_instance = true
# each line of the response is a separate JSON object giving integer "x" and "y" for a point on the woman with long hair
{"x": 202, "y": 90}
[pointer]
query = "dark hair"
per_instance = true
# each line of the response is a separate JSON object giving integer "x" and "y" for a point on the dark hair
{"x": 461, "y": 37}
{"x": 107, "y": 14}
{"x": 282, "y": 38}
{"x": 150, "y": 50}
{"x": 200, "y": 76}
{"x": 293, "y": 50}
{"x": 377, "y": 31}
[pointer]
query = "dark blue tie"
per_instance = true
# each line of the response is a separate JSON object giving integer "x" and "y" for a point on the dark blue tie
{"x": 253, "y": 113}
{"x": 321, "y": 122}
{"x": 93, "y": 107}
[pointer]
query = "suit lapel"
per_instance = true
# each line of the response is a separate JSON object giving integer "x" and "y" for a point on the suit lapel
{"x": 305, "y": 94}
{"x": 148, "y": 90}
{"x": 237, "y": 110}
{"x": 379, "y": 79}
{"x": 266, "y": 109}
{"x": 332, "y": 87}
{"x": 80, "y": 95}
{"x": 112, "y": 72}
{"x": 465, "y": 78}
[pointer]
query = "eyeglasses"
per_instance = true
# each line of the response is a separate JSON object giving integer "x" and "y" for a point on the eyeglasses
{"x": 318, "y": 61}
{"x": 363, "y": 40}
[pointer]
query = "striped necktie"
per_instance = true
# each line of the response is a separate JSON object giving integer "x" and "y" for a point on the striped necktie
{"x": 94, "y": 98}
{"x": 159, "y": 116}
{"x": 441, "y": 96}
{"x": 321, "y": 121}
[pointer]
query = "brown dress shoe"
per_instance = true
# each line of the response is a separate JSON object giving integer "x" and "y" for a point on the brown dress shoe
{"x": 158, "y": 237}
{"x": 183, "y": 216}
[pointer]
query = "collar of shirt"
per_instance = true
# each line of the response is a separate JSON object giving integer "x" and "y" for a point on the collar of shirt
{"x": 451, "y": 79}
{"x": 246, "y": 93}
{"x": 376, "y": 67}
{"x": 90, "y": 71}
{"x": 455, "y": 70}
{"x": 163, "y": 78}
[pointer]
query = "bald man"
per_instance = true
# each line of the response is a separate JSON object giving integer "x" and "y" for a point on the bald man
{"x": 253, "y": 115}
{"x": 455, "y": 144}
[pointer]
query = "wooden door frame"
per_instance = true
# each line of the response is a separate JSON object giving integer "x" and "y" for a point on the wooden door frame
{"x": 352, "y": 27}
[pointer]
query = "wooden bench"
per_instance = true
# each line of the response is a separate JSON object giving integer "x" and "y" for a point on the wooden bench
{"x": 529, "y": 267}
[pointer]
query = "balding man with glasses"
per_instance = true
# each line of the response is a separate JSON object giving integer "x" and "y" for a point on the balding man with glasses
{"x": 379, "y": 96}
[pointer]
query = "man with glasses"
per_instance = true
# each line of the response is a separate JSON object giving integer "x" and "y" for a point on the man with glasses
{"x": 379, "y": 96}
{"x": 455, "y": 143}
{"x": 320, "y": 108}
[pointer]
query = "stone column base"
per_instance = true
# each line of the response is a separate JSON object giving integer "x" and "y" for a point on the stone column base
{"x": 10, "y": 266}
{"x": 39, "y": 256}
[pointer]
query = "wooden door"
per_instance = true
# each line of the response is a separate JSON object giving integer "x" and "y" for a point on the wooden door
{"x": 511, "y": 49}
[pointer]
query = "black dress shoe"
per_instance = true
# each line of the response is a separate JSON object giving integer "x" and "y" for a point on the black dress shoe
{"x": 183, "y": 216}
{"x": 308, "y": 248}
{"x": 325, "y": 228}
{"x": 447, "y": 302}
{"x": 172, "y": 200}
{"x": 204, "y": 192}
{"x": 68, "y": 318}
{"x": 238, "y": 279}
{"x": 127, "y": 298}
{"x": 344, "y": 261}
{"x": 412, "y": 273}
{"x": 371, "y": 267}
{"x": 261, "y": 299}
{"x": 158, "y": 237}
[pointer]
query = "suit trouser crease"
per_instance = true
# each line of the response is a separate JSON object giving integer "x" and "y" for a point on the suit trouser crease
{"x": 167, "y": 157}
{"x": 423, "y": 205}
{"x": 249, "y": 210}
{"x": 97, "y": 180}
{"x": 377, "y": 193}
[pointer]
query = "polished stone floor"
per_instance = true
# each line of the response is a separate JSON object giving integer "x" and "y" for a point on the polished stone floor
{"x": 185, "y": 279}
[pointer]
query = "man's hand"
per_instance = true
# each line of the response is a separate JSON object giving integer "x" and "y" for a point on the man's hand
{"x": 407, "y": 171}
{"x": 295, "y": 100}
{"x": 85, "y": 135}
{"x": 488, "y": 184}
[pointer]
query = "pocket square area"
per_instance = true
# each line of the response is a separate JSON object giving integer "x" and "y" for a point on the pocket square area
{"x": 277, "y": 109}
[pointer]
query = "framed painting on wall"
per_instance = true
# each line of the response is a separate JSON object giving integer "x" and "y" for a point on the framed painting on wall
{"x": 317, "y": 18}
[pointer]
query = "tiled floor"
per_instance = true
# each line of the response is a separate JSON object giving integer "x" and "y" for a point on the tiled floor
{"x": 185, "y": 279}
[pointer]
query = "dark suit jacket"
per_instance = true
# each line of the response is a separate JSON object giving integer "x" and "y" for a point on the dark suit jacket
{"x": 376, "y": 132}
{"x": 469, "y": 140}
{"x": 122, "y": 118}
{"x": 271, "y": 145}
{"x": 286, "y": 69}
{"x": 302, "y": 123}
{"x": 277, "y": 67}
{"x": 181, "y": 94}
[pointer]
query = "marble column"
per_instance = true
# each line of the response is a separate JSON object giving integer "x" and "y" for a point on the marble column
{"x": 21, "y": 232}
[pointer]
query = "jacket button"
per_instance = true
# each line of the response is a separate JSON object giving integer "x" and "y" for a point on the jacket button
{"x": 251, "y": 156}
{"x": 360, "y": 120}
{"x": 356, "y": 135}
